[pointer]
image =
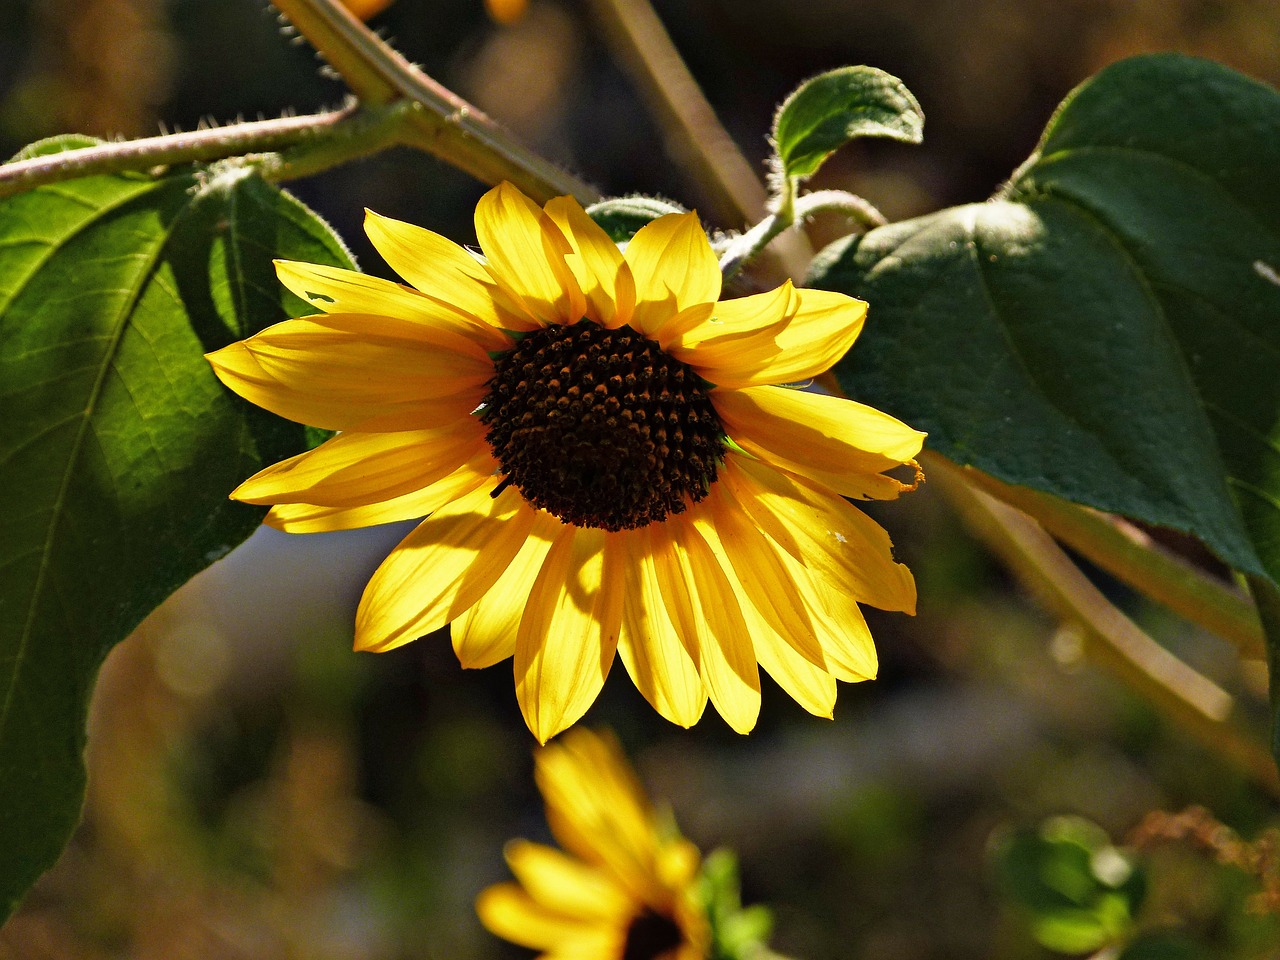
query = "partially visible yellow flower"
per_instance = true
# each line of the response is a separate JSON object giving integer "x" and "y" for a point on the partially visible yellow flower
{"x": 364, "y": 9}
{"x": 607, "y": 456}
{"x": 506, "y": 11}
{"x": 625, "y": 886}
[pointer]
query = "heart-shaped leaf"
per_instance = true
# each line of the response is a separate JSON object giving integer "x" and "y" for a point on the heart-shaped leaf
{"x": 117, "y": 445}
{"x": 1108, "y": 328}
{"x": 827, "y": 111}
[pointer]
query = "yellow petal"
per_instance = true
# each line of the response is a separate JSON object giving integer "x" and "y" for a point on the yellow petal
{"x": 510, "y": 913}
{"x": 842, "y": 444}
{"x": 334, "y": 290}
{"x": 597, "y": 263}
{"x": 310, "y": 518}
{"x": 565, "y": 885}
{"x": 674, "y": 269}
{"x": 357, "y": 469}
{"x": 445, "y": 272}
{"x": 354, "y": 372}
{"x": 703, "y": 606}
{"x": 766, "y": 585}
{"x": 569, "y": 631}
{"x": 729, "y": 324}
{"x": 807, "y": 684}
{"x": 525, "y": 252}
{"x": 821, "y": 331}
{"x": 598, "y": 810}
{"x": 657, "y": 661}
{"x": 442, "y": 568}
{"x": 842, "y": 547}
{"x": 486, "y": 633}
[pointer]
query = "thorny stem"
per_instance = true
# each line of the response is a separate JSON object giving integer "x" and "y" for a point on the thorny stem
{"x": 348, "y": 132}
{"x": 1189, "y": 699}
{"x": 441, "y": 123}
{"x": 397, "y": 104}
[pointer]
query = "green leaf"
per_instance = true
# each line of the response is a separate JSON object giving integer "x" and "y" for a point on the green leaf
{"x": 827, "y": 111}
{"x": 621, "y": 217}
{"x": 1077, "y": 891}
{"x": 1108, "y": 328}
{"x": 118, "y": 446}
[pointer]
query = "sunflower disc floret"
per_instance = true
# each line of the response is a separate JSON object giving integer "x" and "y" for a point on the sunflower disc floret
{"x": 600, "y": 427}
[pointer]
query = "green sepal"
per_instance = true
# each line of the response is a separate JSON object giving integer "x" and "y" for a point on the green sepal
{"x": 622, "y": 217}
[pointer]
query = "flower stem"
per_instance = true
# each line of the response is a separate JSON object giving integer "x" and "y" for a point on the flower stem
{"x": 440, "y": 122}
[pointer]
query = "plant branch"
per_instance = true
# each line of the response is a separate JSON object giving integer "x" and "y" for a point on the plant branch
{"x": 351, "y": 127}
{"x": 441, "y": 122}
{"x": 1187, "y": 698}
{"x": 1130, "y": 555}
{"x": 851, "y": 205}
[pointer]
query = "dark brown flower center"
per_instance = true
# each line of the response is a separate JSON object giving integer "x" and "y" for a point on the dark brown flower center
{"x": 651, "y": 935}
{"x": 601, "y": 427}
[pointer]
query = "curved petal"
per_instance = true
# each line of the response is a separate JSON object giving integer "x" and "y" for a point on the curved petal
{"x": 565, "y": 885}
{"x": 764, "y": 584}
{"x": 674, "y": 269}
{"x": 843, "y": 548}
{"x": 442, "y": 568}
{"x": 525, "y": 253}
{"x": 841, "y": 444}
{"x": 809, "y": 685}
{"x": 444, "y": 272}
{"x": 598, "y": 811}
{"x": 334, "y": 290}
{"x": 357, "y": 469}
{"x": 821, "y": 330}
{"x": 569, "y": 631}
{"x": 486, "y": 633}
{"x": 310, "y": 518}
{"x": 702, "y": 604}
{"x": 597, "y": 263}
{"x": 657, "y": 661}
{"x": 508, "y": 912}
{"x": 354, "y": 372}
{"x": 730, "y": 323}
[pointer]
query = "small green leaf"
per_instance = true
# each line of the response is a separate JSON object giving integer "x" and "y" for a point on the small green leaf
{"x": 621, "y": 217}
{"x": 1108, "y": 329}
{"x": 1078, "y": 892}
{"x": 118, "y": 446}
{"x": 827, "y": 111}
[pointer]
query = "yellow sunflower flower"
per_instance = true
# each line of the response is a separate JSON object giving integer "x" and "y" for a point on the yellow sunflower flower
{"x": 627, "y": 888}
{"x": 602, "y": 455}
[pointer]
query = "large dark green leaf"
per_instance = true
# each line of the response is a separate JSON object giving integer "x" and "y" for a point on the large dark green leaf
{"x": 117, "y": 445}
{"x": 1108, "y": 328}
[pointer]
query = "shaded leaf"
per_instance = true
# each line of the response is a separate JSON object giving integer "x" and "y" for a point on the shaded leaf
{"x": 827, "y": 111}
{"x": 1108, "y": 328}
{"x": 622, "y": 217}
{"x": 118, "y": 446}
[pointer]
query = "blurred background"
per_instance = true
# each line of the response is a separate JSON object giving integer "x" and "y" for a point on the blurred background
{"x": 257, "y": 790}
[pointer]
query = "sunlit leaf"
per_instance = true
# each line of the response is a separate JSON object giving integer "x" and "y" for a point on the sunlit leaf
{"x": 827, "y": 111}
{"x": 117, "y": 445}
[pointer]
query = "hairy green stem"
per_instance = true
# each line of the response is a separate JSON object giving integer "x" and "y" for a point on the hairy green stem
{"x": 851, "y": 205}
{"x": 340, "y": 131}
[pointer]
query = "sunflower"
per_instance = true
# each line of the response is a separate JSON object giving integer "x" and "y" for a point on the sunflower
{"x": 627, "y": 887}
{"x": 603, "y": 455}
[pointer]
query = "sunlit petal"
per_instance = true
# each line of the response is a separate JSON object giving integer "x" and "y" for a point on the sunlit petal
{"x": 444, "y": 566}
{"x": 525, "y": 252}
{"x": 674, "y": 268}
{"x": 597, "y": 263}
